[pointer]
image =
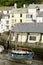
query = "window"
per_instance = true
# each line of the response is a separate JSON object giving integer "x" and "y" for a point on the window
{"x": 27, "y": 16}
{"x": 12, "y": 15}
{"x": 7, "y": 22}
{"x": 12, "y": 20}
{"x": 32, "y": 38}
{"x": 8, "y": 16}
{"x": 37, "y": 8}
{"x": 31, "y": 16}
{"x": 21, "y": 20}
{"x": 7, "y": 27}
{"x": 15, "y": 20}
{"x": 20, "y": 15}
{"x": 7, "y": 11}
{"x": 2, "y": 26}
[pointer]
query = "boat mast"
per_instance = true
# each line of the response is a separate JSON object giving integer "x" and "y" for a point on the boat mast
{"x": 10, "y": 38}
{"x": 16, "y": 42}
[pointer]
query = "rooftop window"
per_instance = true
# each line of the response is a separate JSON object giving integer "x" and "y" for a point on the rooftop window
{"x": 37, "y": 9}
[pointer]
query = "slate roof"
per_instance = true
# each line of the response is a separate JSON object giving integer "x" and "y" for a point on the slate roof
{"x": 19, "y": 10}
{"x": 29, "y": 27}
{"x": 40, "y": 14}
{"x": 6, "y": 7}
{"x": 33, "y": 6}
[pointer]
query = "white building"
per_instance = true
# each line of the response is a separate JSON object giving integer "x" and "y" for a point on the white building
{"x": 34, "y": 10}
{"x": 25, "y": 15}
{"x": 20, "y": 15}
{"x": 5, "y": 18}
{"x": 13, "y": 15}
{"x": 5, "y": 22}
{"x": 39, "y": 18}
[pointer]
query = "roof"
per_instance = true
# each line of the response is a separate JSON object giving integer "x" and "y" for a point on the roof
{"x": 6, "y": 7}
{"x": 29, "y": 27}
{"x": 19, "y": 10}
{"x": 40, "y": 14}
{"x": 33, "y": 6}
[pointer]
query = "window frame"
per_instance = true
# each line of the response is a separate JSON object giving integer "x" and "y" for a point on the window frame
{"x": 32, "y": 38}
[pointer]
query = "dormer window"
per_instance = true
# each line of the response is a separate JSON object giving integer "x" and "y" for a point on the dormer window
{"x": 37, "y": 8}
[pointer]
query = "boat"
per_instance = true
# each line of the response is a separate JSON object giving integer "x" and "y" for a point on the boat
{"x": 21, "y": 53}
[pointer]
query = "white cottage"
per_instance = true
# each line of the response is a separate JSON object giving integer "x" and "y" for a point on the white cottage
{"x": 31, "y": 32}
{"x": 5, "y": 18}
{"x": 34, "y": 10}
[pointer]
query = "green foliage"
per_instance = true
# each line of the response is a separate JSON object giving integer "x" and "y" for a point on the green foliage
{"x": 19, "y": 2}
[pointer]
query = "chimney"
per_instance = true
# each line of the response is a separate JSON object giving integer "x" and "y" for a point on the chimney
{"x": 24, "y": 5}
{"x": 15, "y": 5}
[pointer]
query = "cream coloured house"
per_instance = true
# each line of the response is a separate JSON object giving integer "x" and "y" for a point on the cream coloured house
{"x": 25, "y": 14}
{"x": 20, "y": 15}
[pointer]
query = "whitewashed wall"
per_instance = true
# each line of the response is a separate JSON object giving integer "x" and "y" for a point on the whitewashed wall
{"x": 33, "y": 13}
{"x": 39, "y": 19}
{"x": 22, "y": 38}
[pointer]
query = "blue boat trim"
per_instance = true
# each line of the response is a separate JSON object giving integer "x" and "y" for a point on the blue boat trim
{"x": 20, "y": 56}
